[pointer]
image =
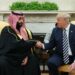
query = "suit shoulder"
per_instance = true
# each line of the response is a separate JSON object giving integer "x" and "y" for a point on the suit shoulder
{"x": 72, "y": 26}
{"x": 4, "y": 29}
{"x": 56, "y": 29}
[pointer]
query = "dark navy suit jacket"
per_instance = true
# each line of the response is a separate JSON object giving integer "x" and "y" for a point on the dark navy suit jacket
{"x": 56, "y": 40}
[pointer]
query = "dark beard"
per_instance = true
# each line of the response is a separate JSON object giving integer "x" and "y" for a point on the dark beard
{"x": 18, "y": 26}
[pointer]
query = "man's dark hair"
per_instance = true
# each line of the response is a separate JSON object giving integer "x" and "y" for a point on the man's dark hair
{"x": 16, "y": 13}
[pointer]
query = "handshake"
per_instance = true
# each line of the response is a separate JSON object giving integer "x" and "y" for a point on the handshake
{"x": 39, "y": 44}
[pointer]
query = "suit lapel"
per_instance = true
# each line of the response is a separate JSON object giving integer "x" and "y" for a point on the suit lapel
{"x": 70, "y": 32}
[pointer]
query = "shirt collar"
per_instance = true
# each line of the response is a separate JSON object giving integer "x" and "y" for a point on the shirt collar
{"x": 67, "y": 28}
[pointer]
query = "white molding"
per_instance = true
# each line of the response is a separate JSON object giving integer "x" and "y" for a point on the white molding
{"x": 38, "y": 12}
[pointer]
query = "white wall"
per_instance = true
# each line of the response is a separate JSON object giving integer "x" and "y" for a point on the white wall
{"x": 63, "y": 4}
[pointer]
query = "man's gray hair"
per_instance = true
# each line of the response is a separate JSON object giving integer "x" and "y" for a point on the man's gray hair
{"x": 64, "y": 15}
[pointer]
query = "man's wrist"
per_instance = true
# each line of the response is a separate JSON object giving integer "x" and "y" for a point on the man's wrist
{"x": 43, "y": 46}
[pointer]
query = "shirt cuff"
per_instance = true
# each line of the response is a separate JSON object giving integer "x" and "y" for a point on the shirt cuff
{"x": 43, "y": 46}
{"x": 74, "y": 61}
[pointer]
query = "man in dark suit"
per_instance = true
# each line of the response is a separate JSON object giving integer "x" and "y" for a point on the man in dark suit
{"x": 63, "y": 38}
